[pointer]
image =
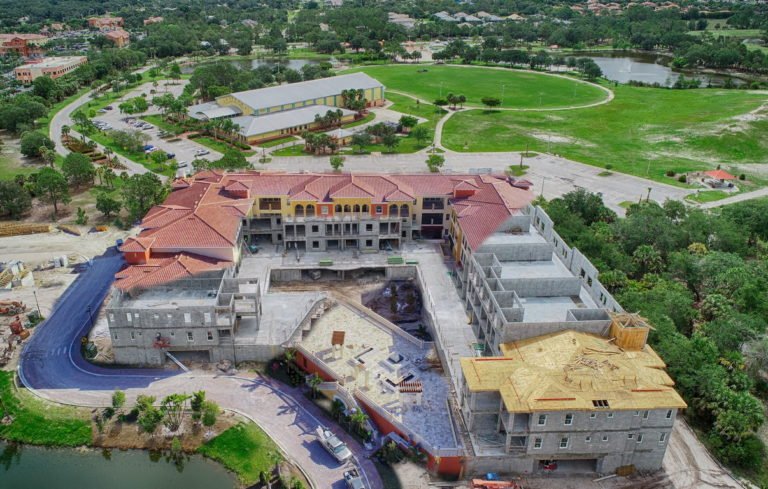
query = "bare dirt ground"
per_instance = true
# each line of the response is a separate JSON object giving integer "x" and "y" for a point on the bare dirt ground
{"x": 34, "y": 249}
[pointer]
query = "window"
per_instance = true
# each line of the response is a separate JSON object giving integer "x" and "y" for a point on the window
{"x": 640, "y": 438}
{"x": 155, "y": 317}
{"x": 537, "y": 443}
{"x": 210, "y": 336}
{"x": 190, "y": 336}
{"x": 173, "y": 333}
{"x": 187, "y": 317}
{"x": 645, "y": 414}
{"x": 315, "y": 228}
{"x": 115, "y": 336}
{"x": 369, "y": 242}
{"x": 564, "y": 442}
{"x": 637, "y": 413}
{"x": 610, "y": 415}
{"x": 379, "y": 209}
{"x": 605, "y": 438}
{"x": 662, "y": 438}
{"x": 568, "y": 419}
{"x": 542, "y": 419}
{"x": 315, "y": 244}
{"x": 592, "y": 415}
{"x": 111, "y": 318}
{"x": 207, "y": 317}
{"x": 669, "y": 414}
{"x": 324, "y": 210}
{"x": 588, "y": 439}
{"x": 133, "y": 335}
{"x": 129, "y": 317}
{"x": 369, "y": 227}
{"x": 630, "y": 436}
{"x": 600, "y": 403}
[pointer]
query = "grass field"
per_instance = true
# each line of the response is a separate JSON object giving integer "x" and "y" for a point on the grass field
{"x": 708, "y": 196}
{"x": 220, "y": 146}
{"x": 277, "y": 142}
{"x": 244, "y": 449}
{"x": 521, "y": 89}
{"x": 39, "y": 423}
{"x": 368, "y": 118}
{"x": 642, "y": 131}
{"x": 739, "y": 33}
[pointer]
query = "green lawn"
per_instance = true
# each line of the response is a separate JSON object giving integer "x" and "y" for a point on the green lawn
{"x": 739, "y": 33}
{"x": 643, "y": 131}
{"x": 708, "y": 196}
{"x": 244, "y": 449}
{"x": 220, "y": 146}
{"x": 38, "y": 422}
{"x": 368, "y": 118}
{"x": 297, "y": 150}
{"x": 136, "y": 156}
{"x": 521, "y": 89}
{"x": 277, "y": 142}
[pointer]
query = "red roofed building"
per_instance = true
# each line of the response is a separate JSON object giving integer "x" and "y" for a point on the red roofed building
{"x": 119, "y": 37}
{"x": 106, "y": 22}
{"x": 26, "y": 45}
{"x": 719, "y": 175}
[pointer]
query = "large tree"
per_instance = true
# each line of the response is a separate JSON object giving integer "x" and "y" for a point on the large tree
{"x": 51, "y": 187}
{"x": 78, "y": 169}
{"x": 141, "y": 192}
{"x": 14, "y": 199}
{"x": 32, "y": 143}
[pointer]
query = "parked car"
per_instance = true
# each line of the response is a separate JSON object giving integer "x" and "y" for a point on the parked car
{"x": 353, "y": 480}
{"x": 170, "y": 156}
{"x": 181, "y": 164}
{"x": 337, "y": 448}
{"x": 109, "y": 107}
{"x": 202, "y": 152}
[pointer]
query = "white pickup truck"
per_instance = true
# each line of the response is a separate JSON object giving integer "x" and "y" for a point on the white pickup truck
{"x": 353, "y": 479}
{"x": 337, "y": 448}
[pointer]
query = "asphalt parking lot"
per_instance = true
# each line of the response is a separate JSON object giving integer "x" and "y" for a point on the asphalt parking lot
{"x": 184, "y": 149}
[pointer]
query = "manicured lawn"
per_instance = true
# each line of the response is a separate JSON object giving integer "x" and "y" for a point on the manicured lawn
{"x": 297, "y": 150}
{"x": 44, "y": 122}
{"x": 708, "y": 196}
{"x": 679, "y": 130}
{"x": 368, "y": 118}
{"x": 40, "y": 423}
{"x": 244, "y": 449}
{"x": 521, "y": 89}
{"x": 277, "y": 142}
{"x": 137, "y": 156}
{"x": 219, "y": 146}
{"x": 740, "y": 33}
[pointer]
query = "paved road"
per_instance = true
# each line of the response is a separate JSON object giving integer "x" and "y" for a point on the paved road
{"x": 51, "y": 365}
{"x": 552, "y": 176}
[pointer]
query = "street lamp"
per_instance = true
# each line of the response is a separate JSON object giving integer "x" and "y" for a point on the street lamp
{"x": 39, "y": 315}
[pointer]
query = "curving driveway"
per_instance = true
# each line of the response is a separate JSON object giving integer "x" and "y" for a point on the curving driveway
{"x": 52, "y": 367}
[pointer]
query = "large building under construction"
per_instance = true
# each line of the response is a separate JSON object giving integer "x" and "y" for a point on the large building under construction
{"x": 530, "y": 364}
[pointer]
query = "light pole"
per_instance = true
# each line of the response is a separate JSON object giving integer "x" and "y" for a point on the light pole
{"x": 39, "y": 314}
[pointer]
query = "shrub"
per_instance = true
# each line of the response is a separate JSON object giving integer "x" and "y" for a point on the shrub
{"x": 609, "y": 167}
{"x": 670, "y": 173}
{"x": 682, "y": 179}
{"x": 742, "y": 177}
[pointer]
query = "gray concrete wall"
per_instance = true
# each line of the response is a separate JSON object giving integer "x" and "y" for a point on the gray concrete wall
{"x": 543, "y": 287}
{"x": 519, "y": 252}
{"x": 401, "y": 272}
{"x": 521, "y": 331}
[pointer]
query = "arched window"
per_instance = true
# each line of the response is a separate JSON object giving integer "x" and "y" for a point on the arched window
{"x": 347, "y": 208}
{"x": 299, "y": 210}
{"x": 356, "y": 208}
{"x": 404, "y": 212}
{"x": 365, "y": 207}
{"x": 393, "y": 210}
{"x": 310, "y": 210}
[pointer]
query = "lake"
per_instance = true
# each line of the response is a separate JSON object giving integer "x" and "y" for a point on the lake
{"x": 29, "y": 467}
{"x": 649, "y": 68}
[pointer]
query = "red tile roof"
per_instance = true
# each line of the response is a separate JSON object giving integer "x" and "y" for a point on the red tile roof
{"x": 202, "y": 216}
{"x": 162, "y": 271}
{"x": 719, "y": 175}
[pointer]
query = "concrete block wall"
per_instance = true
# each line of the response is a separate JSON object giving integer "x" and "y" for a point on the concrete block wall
{"x": 520, "y": 252}
{"x": 522, "y": 330}
{"x": 573, "y": 259}
{"x": 543, "y": 287}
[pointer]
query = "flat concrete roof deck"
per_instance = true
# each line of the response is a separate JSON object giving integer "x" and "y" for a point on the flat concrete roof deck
{"x": 549, "y": 309}
{"x": 167, "y": 298}
{"x": 282, "y": 313}
{"x": 553, "y": 268}
{"x": 366, "y": 348}
{"x": 513, "y": 238}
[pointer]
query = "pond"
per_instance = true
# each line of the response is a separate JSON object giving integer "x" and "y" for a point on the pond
{"x": 30, "y": 467}
{"x": 650, "y": 68}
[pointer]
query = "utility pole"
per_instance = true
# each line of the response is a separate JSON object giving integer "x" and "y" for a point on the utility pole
{"x": 39, "y": 314}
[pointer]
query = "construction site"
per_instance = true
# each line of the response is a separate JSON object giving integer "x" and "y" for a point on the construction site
{"x": 426, "y": 338}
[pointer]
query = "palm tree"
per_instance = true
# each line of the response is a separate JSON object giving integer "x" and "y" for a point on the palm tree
{"x": 65, "y": 130}
{"x": 314, "y": 381}
{"x": 358, "y": 420}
